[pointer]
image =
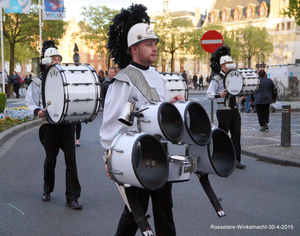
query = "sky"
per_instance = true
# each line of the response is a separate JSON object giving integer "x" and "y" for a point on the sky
{"x": 73, "y": 6}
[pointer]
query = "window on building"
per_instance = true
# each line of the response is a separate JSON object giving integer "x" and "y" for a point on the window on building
{"x": 277, "y": 27}
{"x": 212, "y": 18}
{"x": 224, "y": 16}
{"x": 282, "y": 26}
{"x": 236, "y": 14}
{"x": 288, "y": 25}
{"x": 92, "y": 54}
{"x": 249, "y": 12}
{"x": 262, "y": 11}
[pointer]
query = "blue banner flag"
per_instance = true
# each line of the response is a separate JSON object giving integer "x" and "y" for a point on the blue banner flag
{"x": 53, "y": 10}
{"x": 18, "y": 6}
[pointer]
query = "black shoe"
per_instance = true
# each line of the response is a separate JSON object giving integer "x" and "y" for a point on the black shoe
{"x": 74, "y": 205}
{"x": 240, "y": 165}
{"x": 46, "y": 197}
{"x": 263, "y": 129}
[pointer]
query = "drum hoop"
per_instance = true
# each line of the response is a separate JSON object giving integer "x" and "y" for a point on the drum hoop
{"x": 134, "y": 167}
{"x": 210, "y": 156}
{"x": 177, "y": 161}
{"x": 160, "y": 126}
{"x": 60, "y": 70}
{"x": 188, "y": 130}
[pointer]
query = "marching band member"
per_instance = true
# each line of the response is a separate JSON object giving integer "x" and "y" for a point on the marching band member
{"x": 228, "y": 115}
{"x": 54, "y": 136}
{"x": 132, "y": 44}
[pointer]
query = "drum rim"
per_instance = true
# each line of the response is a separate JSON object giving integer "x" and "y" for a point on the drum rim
{"x": 210, "y": 156}
{"x": 186, "y": 125}
{"x": 174, "y": 140}
{"x": 143, "y": 135}
{"x": 43, "y": 94}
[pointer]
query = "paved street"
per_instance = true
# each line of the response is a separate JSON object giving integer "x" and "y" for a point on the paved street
{"x": 264, "y": 196}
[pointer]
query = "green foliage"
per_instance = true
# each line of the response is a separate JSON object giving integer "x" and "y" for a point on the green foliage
{"x": 175, "y": 37}
{"x": 21, "y": 35}
{"x": 98, "y": 19}
{"x": 293, "y": 10}
{"x": 2, "y": 102}
{"x": 253, "y": 42}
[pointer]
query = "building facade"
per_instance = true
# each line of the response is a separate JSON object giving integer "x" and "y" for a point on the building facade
{"x": 283, "y": 31}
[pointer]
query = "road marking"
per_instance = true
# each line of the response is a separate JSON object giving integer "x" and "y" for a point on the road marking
{"x": 9, "y": 204}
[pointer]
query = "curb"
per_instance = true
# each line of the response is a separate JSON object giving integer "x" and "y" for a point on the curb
{"x": 9, "y": 133}
{"x": 271, "y": 159}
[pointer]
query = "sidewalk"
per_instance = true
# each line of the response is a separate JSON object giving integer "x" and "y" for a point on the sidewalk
{"x": 265, "y": 146}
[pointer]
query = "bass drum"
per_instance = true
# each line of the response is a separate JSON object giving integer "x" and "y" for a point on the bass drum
{"x": 71, "y": 94}
{"x": 175, "y": 85}
{"x": 138, "y": 159}
{"x": 241, "y": 81}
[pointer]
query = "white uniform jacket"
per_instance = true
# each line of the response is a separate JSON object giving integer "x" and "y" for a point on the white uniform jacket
{"x": 216, "y": 86}
{"x": 117, "y": 95}
{"x": 33, "y": 98}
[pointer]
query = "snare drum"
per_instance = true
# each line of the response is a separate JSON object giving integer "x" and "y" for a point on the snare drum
{"x": 180, "y": 169}
{"x": 162, "y": 119}
{"x": 74, "y": 94}
{"x": 175, "y": 85}
{"x": 138, "y": 159}
{"x": 241, "y": 81}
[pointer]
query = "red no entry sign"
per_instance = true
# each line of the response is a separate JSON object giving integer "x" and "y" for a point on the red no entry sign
{"x": 211, "y": 40}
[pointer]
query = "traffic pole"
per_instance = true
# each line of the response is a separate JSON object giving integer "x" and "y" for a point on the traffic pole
{"x": 286, "y": 126}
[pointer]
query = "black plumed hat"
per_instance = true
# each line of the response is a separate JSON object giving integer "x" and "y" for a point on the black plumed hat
{"x": 216, "y": 56}
{"x": 118, "y": 30}
{"x": 46, "y": 44}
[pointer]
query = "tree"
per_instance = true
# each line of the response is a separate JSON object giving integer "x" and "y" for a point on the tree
{"x": 21, "y": 32}
{"x": 174, "y": 37}
{"x": 98, "y": 19}
{"x": 253, "y": 42}
{"x": 293, "y": 10}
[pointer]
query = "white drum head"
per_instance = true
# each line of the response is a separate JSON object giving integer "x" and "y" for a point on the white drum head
{"x": 233, "y": 82}
{"x": 54, "y": 93}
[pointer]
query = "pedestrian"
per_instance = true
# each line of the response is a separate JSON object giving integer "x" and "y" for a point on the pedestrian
{"x": 201, "y": 82}
{"x": 101, "y": 76}
{"x": 208, "y": 79}
{"x": 184, "y": 76}
{"x": 104, "y": 86}
{"x": 32, "y": 74}
{"x": 16, "y": 79}
{"x": 195, "y": 80}
{"x": 228, "y": 114}
{"x": 28, "y": 80}
{"x": 77, "y": 134}
{"x": 135, "y": 54}
{"x": 248, "y": 103}
{"x": 262, "y": 100}
{"x": 54, "y": 136}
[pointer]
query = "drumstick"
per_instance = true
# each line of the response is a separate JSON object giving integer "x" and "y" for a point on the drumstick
{"x": 48, "y": 104}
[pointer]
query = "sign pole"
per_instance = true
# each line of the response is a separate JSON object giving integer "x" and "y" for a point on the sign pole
{"x": 2, "y": 49}
{"x": 40, "y": 24}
